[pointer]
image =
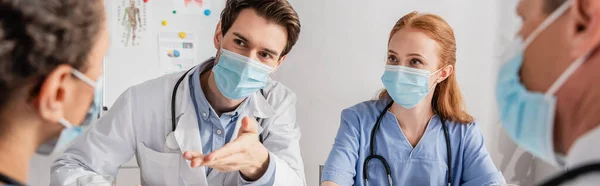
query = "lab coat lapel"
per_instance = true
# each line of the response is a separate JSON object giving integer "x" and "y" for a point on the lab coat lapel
{"x": 187, "y": 135}
{"x": 258, "y": 107}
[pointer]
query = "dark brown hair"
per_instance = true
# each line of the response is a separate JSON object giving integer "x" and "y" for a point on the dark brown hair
{"x": 278, "y": 11}
{"x": 38, "y": 36}
{"x": 447, "y": 99}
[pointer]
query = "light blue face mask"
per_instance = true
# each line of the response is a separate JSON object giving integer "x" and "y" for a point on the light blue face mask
{"x": 238, "y": 76}
{"x": 407, "y": 86}
{"x": 528, "y": 117}
{"x": 70, "y": 132}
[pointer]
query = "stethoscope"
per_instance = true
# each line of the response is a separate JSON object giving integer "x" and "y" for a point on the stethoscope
{"x": 373, "y": 155}
{"x": 170, "y": 141}
{"x": 573, "y": 174}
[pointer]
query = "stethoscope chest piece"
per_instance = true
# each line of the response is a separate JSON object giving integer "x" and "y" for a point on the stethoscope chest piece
{"x": 171, "y": 142}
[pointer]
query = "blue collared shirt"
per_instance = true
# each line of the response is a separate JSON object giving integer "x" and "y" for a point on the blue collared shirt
{"x": 424, "y": 164}
{"x": 217, "y": 131}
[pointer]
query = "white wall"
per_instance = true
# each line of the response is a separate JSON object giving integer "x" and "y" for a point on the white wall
{"x": 128, "y": 67}
{"x": 340, "y": 57}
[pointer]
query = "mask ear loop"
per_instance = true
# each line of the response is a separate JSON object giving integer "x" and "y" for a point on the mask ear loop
{"x": 519, "y": 44}
{"x": 439, "y": 70}
{"x": 551, "y": 18}
{"x": 65, "y": 123}
{"x": 571, "y": 69}
{"x": 84, "y": 78}
{"x": 437, "y": 81}
{"x": 221, "y": 46}
{"x": 566, "y": 74}
{"x": 220, "y": 50}
{"x": 576, "y": 64}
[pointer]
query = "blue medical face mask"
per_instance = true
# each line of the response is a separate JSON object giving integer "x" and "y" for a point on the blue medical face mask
{"x": 238, "y": 76}
{"x": 70, "y": 132}
{"x": 407, "y": 86}
{"x": 526, "y": 116}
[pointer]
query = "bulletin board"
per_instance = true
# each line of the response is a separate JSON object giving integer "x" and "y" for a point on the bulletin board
{"x": 152, "y": 38}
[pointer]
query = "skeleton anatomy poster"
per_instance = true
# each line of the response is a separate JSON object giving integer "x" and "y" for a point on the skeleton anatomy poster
{"x": 130, "y": 23}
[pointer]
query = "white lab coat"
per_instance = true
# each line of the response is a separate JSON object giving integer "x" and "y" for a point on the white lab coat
{"x": 140, "y": 120}
{"x": 585, "y": 151}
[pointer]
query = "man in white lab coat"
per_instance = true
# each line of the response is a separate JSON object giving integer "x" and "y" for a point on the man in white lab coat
{"x": 224, "y": 122}
{"x": 548, "y": 92}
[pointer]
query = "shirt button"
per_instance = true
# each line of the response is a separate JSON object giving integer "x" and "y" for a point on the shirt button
{"x": 219, "y": 132}
{"x": 204, "y": 114}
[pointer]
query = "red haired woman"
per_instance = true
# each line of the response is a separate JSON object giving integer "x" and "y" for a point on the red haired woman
{"x": 417, "y": 132}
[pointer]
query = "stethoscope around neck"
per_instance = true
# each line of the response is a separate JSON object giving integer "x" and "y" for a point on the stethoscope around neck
{"x": 374, "y": 155}
{"x": 170, "y": 141}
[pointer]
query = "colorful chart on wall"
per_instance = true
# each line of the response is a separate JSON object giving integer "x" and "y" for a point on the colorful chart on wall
{"x": 130, "y": 23}
{"x": 176, "y": 51}
{"x": 193, "y": 7}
